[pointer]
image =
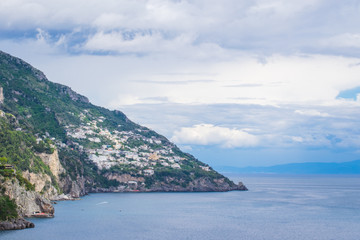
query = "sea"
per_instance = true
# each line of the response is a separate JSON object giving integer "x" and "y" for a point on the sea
{"x": 276, "y": 207}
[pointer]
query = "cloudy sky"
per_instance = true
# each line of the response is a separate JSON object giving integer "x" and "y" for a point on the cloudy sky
{"x": 235, "y": 82}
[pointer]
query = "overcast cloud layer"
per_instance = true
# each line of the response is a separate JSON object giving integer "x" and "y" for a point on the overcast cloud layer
{"x": 232, "y": 74}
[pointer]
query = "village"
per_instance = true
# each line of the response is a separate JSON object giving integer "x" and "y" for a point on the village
{"x": 119, "y": 148}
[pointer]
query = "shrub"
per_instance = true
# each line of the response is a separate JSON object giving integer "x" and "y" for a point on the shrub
{"x": 7, "y": 209}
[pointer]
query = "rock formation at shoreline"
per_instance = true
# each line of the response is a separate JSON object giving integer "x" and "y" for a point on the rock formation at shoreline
{"x": 16, "y": 224}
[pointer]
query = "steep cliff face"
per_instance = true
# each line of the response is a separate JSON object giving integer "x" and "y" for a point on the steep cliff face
{"x": 77, "y": 187}
{"x": 28, "y": 201}
{"x": 42, "y": 183}
{"x": 1, "y": 95}
{"x": 53, "y": 161}
{"x": 74, "y": 188}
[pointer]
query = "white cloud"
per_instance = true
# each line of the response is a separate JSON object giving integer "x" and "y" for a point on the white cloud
{"x": 42, "y": 36}
{"x": 273, "y": 127}
{"x": 343, "y": 40}
{"x": 297, "y": 139}
{"x": 312, "y": 112}
{"x": 257, "y": 26}
{"x": 154, "y": 53}
{"x": 136, "y": 42}
{"x": 115, "y": 41}
{"x": 284, "y": 8}
{"x": 208, "y": 134}
{"x": 294, "y": 79}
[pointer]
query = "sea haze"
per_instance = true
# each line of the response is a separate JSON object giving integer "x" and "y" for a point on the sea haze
{"x": 352, "y": 167}
{"x": 276, "y": 207}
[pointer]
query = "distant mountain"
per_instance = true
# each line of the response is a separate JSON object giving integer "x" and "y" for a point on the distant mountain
{"x": 352, "y": 167}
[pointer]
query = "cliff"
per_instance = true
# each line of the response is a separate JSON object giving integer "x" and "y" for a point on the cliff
{"x": 27, "y": 201}
{"x": 1, "y": 95}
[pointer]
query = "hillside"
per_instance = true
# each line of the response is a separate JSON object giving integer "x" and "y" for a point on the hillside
{"x": 21, "y": 167}
{"x": 61, "y": 143}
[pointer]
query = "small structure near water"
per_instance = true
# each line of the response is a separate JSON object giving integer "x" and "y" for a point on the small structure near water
{"x": 42, "y": 215}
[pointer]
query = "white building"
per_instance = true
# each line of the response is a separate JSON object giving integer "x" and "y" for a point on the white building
{"x": 175, "y": 165}
{"x": 148, "y": 172}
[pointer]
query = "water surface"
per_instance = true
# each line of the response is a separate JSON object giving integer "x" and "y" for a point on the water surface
{"x": 276, "y": 207}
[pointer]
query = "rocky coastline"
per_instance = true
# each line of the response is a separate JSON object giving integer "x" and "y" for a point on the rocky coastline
{"x": 16, "y": 224}
{"x": 202, "y": 185}
{"x": 196, "y": 186}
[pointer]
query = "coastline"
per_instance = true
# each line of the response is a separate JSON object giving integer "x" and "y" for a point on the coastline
{"x": 16, "y": 224}
{"x": 21, "y": 223}
{"x": 48, "y": 210}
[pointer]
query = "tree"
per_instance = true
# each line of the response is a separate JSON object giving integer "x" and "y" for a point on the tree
{"x": 3, "y": 160}
{"x": 7, "y": 208}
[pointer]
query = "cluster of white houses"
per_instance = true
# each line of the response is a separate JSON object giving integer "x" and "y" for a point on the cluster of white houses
{"x": 142, "y": 156}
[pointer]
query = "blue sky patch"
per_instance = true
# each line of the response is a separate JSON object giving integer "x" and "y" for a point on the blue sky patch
{"x": 349, "y": 94}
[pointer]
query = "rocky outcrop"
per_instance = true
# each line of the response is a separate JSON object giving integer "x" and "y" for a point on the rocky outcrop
{"x": 45, "y": 206}
{"x": 73, "y": 188}
{"x": 65, "y": 90}
{"x": 43, "y": 184}
{"x": 52, "y": 160}
{"x": 64, "y": 197}
{"x": 203, "y": 184}
{"x": 241, "y": 187}
{"x": 1, "y": 95}
{"x": 28, "y": 201}
{"x": 110, "y": 189}
{"x": 78, "y": 188}
{"x": 16, "y": 224}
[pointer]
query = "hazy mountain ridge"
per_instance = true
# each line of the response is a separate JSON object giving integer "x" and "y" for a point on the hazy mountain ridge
{"x": 352, "y": 167}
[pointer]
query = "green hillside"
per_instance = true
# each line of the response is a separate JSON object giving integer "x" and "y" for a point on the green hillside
{"x": 101, "y": 150}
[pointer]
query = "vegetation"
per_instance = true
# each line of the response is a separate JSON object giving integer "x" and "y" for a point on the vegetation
{"x": 181, "y": 176}
{"x": 44, "y": 146}
{"x": 19, "y": 149}
{"x": 94, "y": 145}
{"x": 8, "y": 209}
{"x": 9, "y": 173}
{"x": 24, "y": 182}
{"x": 76, "y": 164}
{"x": 44, "y": 106}
{"x": 122, "y": 169}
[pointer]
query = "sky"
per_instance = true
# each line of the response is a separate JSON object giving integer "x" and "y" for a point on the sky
{"x": 234, "y": 82}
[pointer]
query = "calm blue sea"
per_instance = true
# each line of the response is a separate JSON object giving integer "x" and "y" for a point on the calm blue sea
{"x": 275, "y": 207}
